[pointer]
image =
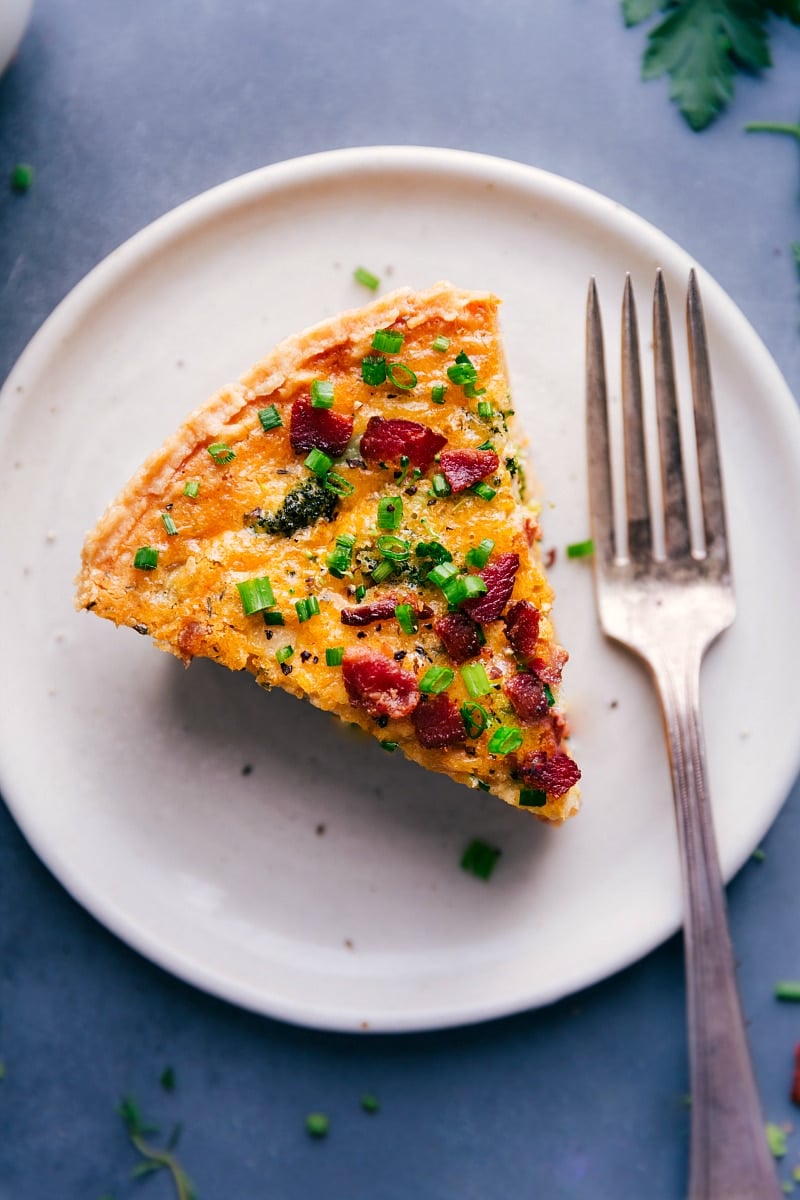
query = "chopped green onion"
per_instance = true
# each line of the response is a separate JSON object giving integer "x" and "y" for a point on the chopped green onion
{"x": 532, "y": 798}
{"x": 472, "y": 392}
{"x": 388, "y": 746}
{"x": 405, "y": 463}
{"x": 484, "y": 491}
{"x": 365, "y": 277}
{"x": 306, "y": 608}
{"x": 394, "y": 548}
{"x": 581, "y": 549}
{"x": 169, "y": 524}
{"x": 388, "y": 341}
{"x": 192, "y": 488}
{"x": 382, "y": 571}
{"x": 787, "y": 989}
{"x": 146, "y": 558}
{"x": 474, "y": 586}
{"x": 440, "y": 485}
{"x": 221, "y": 453}
{"x": 437, "y": 393}
{"x": 401, "y": 376}
{"x": 370, "y": 1103}
{"x": 461, "y": 357}
{"x": 441, "y": 343}
{"x": 334, "y": 656}
{"x": 455, "y": 590}
{"x": 390, "y": 512}
{"x": 273, "y": 617}
{"x": 284, "y": 653}
{"x": 478, "y": 556}
{"x": 776, "y": 1140}
{"x": 373, "y": 370}
{"x": 442, "y": 572}
{"x": 475, "y": 718}
{"x": 485, "y": 411}
{"x": 317, "y": 1124}
{"x": 269, "y": 417}
{"x": 337, "y": 484}
{"x": 321, "y": 393}
{"x": 433, "y": 550}
{"x": 22, "y": 177}
{"x": 436, "y": 679}
{"x": 476, "y": 680}
{"x": 255, "y": 594}
{"x": 319, "y": 463}
{"x": 487, "y": 445}
{"x": 548, "y": 691}
{"x": 361, "y": 592}
{"x": 406, "y": 617}
{"x": 480, "y": 859}
{"x": 339, "y": 558}
{"x": 505, "y": 739}
{"x": 462, "y": 371}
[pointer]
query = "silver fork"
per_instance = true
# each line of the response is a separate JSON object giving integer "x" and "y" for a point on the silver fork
{"x": 669, "y": 610}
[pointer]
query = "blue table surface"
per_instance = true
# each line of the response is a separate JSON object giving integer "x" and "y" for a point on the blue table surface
{"x": 126, "y": 110}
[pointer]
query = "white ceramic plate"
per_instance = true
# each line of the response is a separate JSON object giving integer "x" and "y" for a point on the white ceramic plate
{"x": 126, "y": 772}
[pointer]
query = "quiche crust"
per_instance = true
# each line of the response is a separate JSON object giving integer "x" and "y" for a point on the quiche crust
{"x": 235, "y": 529}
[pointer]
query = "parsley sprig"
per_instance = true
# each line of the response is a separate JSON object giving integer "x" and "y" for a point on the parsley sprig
{"x": 702, "y": 44}
{"x": 154, "y": 1158}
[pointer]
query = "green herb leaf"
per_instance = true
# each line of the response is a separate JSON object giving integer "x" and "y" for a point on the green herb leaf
{"x": 635, "y": 11}
{"x": 701, "y": 44}
{"x": 154, "y": 1158}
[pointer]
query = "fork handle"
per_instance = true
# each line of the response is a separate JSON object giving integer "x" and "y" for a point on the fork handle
{"x": 728, "y": 1158}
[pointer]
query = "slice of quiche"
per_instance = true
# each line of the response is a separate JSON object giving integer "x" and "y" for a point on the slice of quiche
{"x": 349, "y": 522}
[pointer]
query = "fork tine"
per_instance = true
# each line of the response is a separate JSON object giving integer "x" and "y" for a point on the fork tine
{"x": 676, "y": 517}
{"x": 638, "y": 503}
{"x": 597, "y": 445}
{"x": 706, "y": 429}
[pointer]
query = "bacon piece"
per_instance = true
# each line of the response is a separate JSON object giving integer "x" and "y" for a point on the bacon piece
{"x": 522, "y": 629}
{"x": 378, "y": 684}
{"x": 553, "y": 773}
{"x": 381, "y": 610}
{"x": 463, "y": 468}
{"x": 499, "y": 576}
{"x": 318, "y": 428}
{"x": 192, "y": 640}
{"x": 388, "y": 441}
{"x": 438, "y": 722}
{"x": 527, "y": 695}
{"x": 461, "y": 637}
{"x": 549, "y": 669}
